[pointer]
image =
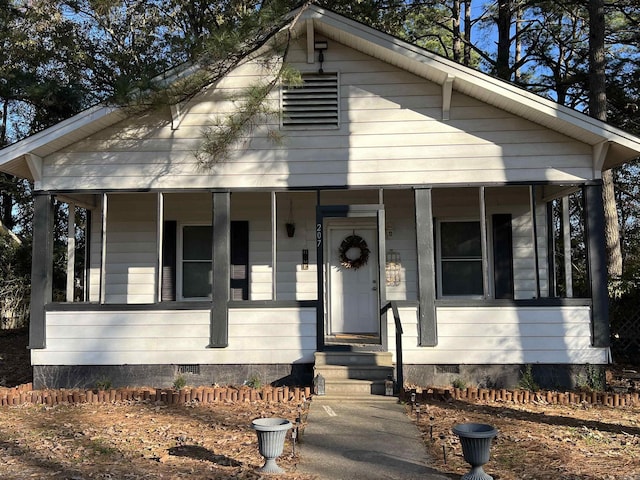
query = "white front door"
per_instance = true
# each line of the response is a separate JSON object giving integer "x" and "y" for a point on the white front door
{"x": 353, "y": 292}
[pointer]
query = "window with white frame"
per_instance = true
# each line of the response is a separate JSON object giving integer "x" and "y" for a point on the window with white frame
{"x": 459, "y": 250}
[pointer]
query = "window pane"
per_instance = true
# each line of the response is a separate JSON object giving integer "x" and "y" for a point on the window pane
{"x": 460, "y": 239}
{"x": 196, "y": 280}
{"x": 462, "y": 278}
{"x": 196, "y": 243}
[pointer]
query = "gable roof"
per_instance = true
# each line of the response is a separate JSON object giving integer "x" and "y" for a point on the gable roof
{"x": 612, "y": 146}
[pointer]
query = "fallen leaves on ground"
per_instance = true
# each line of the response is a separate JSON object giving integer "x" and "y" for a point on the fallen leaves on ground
{"x": 539, "y": 442}
{"x": 138, "y": 441}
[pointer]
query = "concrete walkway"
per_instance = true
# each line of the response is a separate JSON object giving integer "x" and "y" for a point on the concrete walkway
{"x": 370, "y": 438}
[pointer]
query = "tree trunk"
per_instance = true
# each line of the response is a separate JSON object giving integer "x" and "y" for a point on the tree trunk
{"x": 598, "y": 109}
{"x": 455, "y": 28}
{"x": 611, "y": 230}
{"x": 518, "y": 55}
{"x": 467, "y": 33}
{"x": 503, "y": 67}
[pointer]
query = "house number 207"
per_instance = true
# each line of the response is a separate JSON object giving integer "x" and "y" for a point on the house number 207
{"x": 319, "y": 233}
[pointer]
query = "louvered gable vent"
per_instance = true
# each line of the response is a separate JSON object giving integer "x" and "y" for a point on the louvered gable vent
{"x": 312, "y": 104}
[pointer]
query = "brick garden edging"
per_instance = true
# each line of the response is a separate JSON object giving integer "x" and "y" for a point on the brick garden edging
{"x": 206, "y": 395}
{"x": 609, "y": 399}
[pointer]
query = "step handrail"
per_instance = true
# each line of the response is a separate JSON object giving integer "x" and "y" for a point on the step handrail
{"x": 399, "y": 366}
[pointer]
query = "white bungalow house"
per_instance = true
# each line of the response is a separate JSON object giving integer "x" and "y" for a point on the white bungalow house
{"x": 409, "y": 179}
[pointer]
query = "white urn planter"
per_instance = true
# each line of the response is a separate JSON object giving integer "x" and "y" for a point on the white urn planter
{"x": 475, "y": 439}
{"x": 271, "y": 434}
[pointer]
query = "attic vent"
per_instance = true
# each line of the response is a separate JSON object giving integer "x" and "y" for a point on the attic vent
{"x": 312, "y": 104}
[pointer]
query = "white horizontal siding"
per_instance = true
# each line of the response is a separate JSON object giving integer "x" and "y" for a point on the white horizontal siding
{"x": 131, "y": 260}
{"x": 95, "y": 252}
{"x": 287, "y": 335}
{"x": 390, "y": 133}
{"x": 256, "y": 336}
{"x": 502, "y": 335}
{"x": 400, "y": 238}
{"x": 256, "y": 209}
{"x": 294, "y": 283}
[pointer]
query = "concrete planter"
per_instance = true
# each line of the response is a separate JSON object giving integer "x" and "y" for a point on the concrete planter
{"x": 271, "y": 433}
{"x": 475, "y": 439}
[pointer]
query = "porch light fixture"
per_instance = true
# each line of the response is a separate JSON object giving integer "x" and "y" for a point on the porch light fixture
{"x": 321, "y": 46}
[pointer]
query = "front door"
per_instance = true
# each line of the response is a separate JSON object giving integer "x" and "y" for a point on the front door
{"x": 352, "y": 263}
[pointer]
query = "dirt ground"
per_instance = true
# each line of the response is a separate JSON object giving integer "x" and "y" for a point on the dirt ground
{"x": 15, "y": 366}
{"x": 146, "y": 440}
{"x": 539, "y": 442}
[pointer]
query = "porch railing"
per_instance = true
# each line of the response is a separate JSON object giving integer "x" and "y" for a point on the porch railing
{"x": 399, "y": 366}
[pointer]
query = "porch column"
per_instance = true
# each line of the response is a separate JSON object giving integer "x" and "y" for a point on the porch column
{"x": 71, "y": 251}
{"x": 220, "y": 270}
{"x": 597, "y": 263}
{"x": 426, "y": 268}
{"x": 41, "y": 268}
{"x": 566, "y": 235}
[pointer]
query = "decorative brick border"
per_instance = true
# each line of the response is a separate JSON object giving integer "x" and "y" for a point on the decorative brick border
{"x": 206, "y": 395}
{"x": 209, "y": 395}
{"x": 609, "y": 399}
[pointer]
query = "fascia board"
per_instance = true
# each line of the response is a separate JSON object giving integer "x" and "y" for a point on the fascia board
{"x": 81, "y": 120}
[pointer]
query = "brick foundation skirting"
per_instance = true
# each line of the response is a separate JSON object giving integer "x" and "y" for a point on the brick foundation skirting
{"x": 205, "y": 395}
{"x": 471, "y": 394}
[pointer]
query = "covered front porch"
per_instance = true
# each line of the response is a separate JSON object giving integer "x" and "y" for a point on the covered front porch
{"x": 242, "y": 283}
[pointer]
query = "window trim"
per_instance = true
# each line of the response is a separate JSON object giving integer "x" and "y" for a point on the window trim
{"x": 439, "y": 259}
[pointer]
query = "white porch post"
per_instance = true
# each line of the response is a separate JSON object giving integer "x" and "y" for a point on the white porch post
{"x": 534, "y": 236}
{"x": 486, "y": 284}
{"x": 274, "y": 235}
{"x": 103, "y": 249}
{"x": 159, "y": 241}
{"x": 566, "y": 235}
{"x": 71, "y": 251}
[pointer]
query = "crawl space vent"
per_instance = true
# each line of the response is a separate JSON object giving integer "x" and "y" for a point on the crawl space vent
{"x": 192, "y": 369}
{"x": 448, "y": 369}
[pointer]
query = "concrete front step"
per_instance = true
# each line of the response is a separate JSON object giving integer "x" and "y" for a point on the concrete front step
{"x": 352, "y": 359}
{"x": 352, "y": 398}
{"x": 348, "y": 373}
{"x": 350, "y": 387}
{"x": 358, "y": 372}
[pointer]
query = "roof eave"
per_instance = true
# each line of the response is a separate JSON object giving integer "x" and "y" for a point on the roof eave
{"x": 14, "y": 158}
